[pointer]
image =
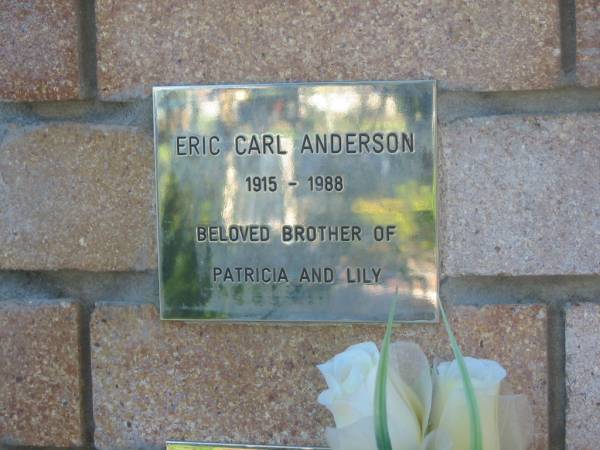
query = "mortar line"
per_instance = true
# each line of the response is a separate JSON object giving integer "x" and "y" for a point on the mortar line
{"x": 495, "y": 290}
{"x": 133, "y": 287}
{"x": 453, "y": 105}
{"x": 568, "y": 41}
{"x": 557, "y": 391}
{"x": 86, "y": 383}
{"x": 87, "y": 48}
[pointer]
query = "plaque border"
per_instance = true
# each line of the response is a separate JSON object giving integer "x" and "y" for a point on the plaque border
{"x": 436, "y": 196}
{"x": 202, "y": 445}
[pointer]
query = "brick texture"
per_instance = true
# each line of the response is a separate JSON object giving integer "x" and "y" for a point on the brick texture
{"x": 158, "y": 380}
{"x": 520, "y": 195}
{"x": 76, "y": 196}
{"x": 583, "y": 376}
{"x": 39, "y": 50}
{"x": 484, "y": 45}
{"x": 588, "y": 42}
{"x": 39, "y": 374}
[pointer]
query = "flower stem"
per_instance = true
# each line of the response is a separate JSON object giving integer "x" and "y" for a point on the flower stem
{"x": 472, "y": 406}
{"x": 382, "y": 434}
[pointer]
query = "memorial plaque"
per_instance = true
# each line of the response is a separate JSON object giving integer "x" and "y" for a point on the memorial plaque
{"x": 175, "y": 445}
{"x": 297, "y": 202}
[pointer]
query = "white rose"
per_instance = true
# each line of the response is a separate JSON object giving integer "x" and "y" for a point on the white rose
{"x": 450, "y": 413}
{"x": 350, "y": 378}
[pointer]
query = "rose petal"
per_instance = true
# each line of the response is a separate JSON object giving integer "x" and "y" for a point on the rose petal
{"x": 515, "y": 422}
{"x": 456, "y": 423}
{"x": 357, "y": 436}
{"x": 485, "y": 371}
{"x": 360, "y": 435}
{"x": 364, "y": 356}
{"x": 403, "y": 424}
{"x": 351, "y": 379}
{"x": 410, "y": 375}
{"x": 486, "y": 376}
{"x": 437, "y": 440}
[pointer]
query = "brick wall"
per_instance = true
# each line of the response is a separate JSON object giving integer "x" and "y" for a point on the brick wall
{"x": 85, "y": 361}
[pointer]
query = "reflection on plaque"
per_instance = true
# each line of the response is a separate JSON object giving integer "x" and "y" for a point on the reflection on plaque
{"x": 297, "y": 202}
{"x": 173, "y": 445}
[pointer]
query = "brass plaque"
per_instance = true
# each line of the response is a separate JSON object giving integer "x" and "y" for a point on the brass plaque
{"x": 173, "y": 445}
{"x": 297, "y": 202}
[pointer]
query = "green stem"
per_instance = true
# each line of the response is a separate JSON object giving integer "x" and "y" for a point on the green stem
{"x": 473, "y": 407}
{"x": 382, "y": 434}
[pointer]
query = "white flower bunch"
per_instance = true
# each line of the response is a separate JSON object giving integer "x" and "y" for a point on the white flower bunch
{"x": 427, "y": 409}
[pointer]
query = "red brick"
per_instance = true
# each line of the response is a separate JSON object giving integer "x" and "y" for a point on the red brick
{"x": 40, "y": 374}
{"x": 583, "y": 376}
{"x": 519, "y": 195}
{"x": 77, "y": 196}
{"x": 479, "y": 45}
{"x": 588, "y": 42}
{"x": 39, "y": 50}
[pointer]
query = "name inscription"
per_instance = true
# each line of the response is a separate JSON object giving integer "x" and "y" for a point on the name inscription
{"x": 270, "y": 144}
